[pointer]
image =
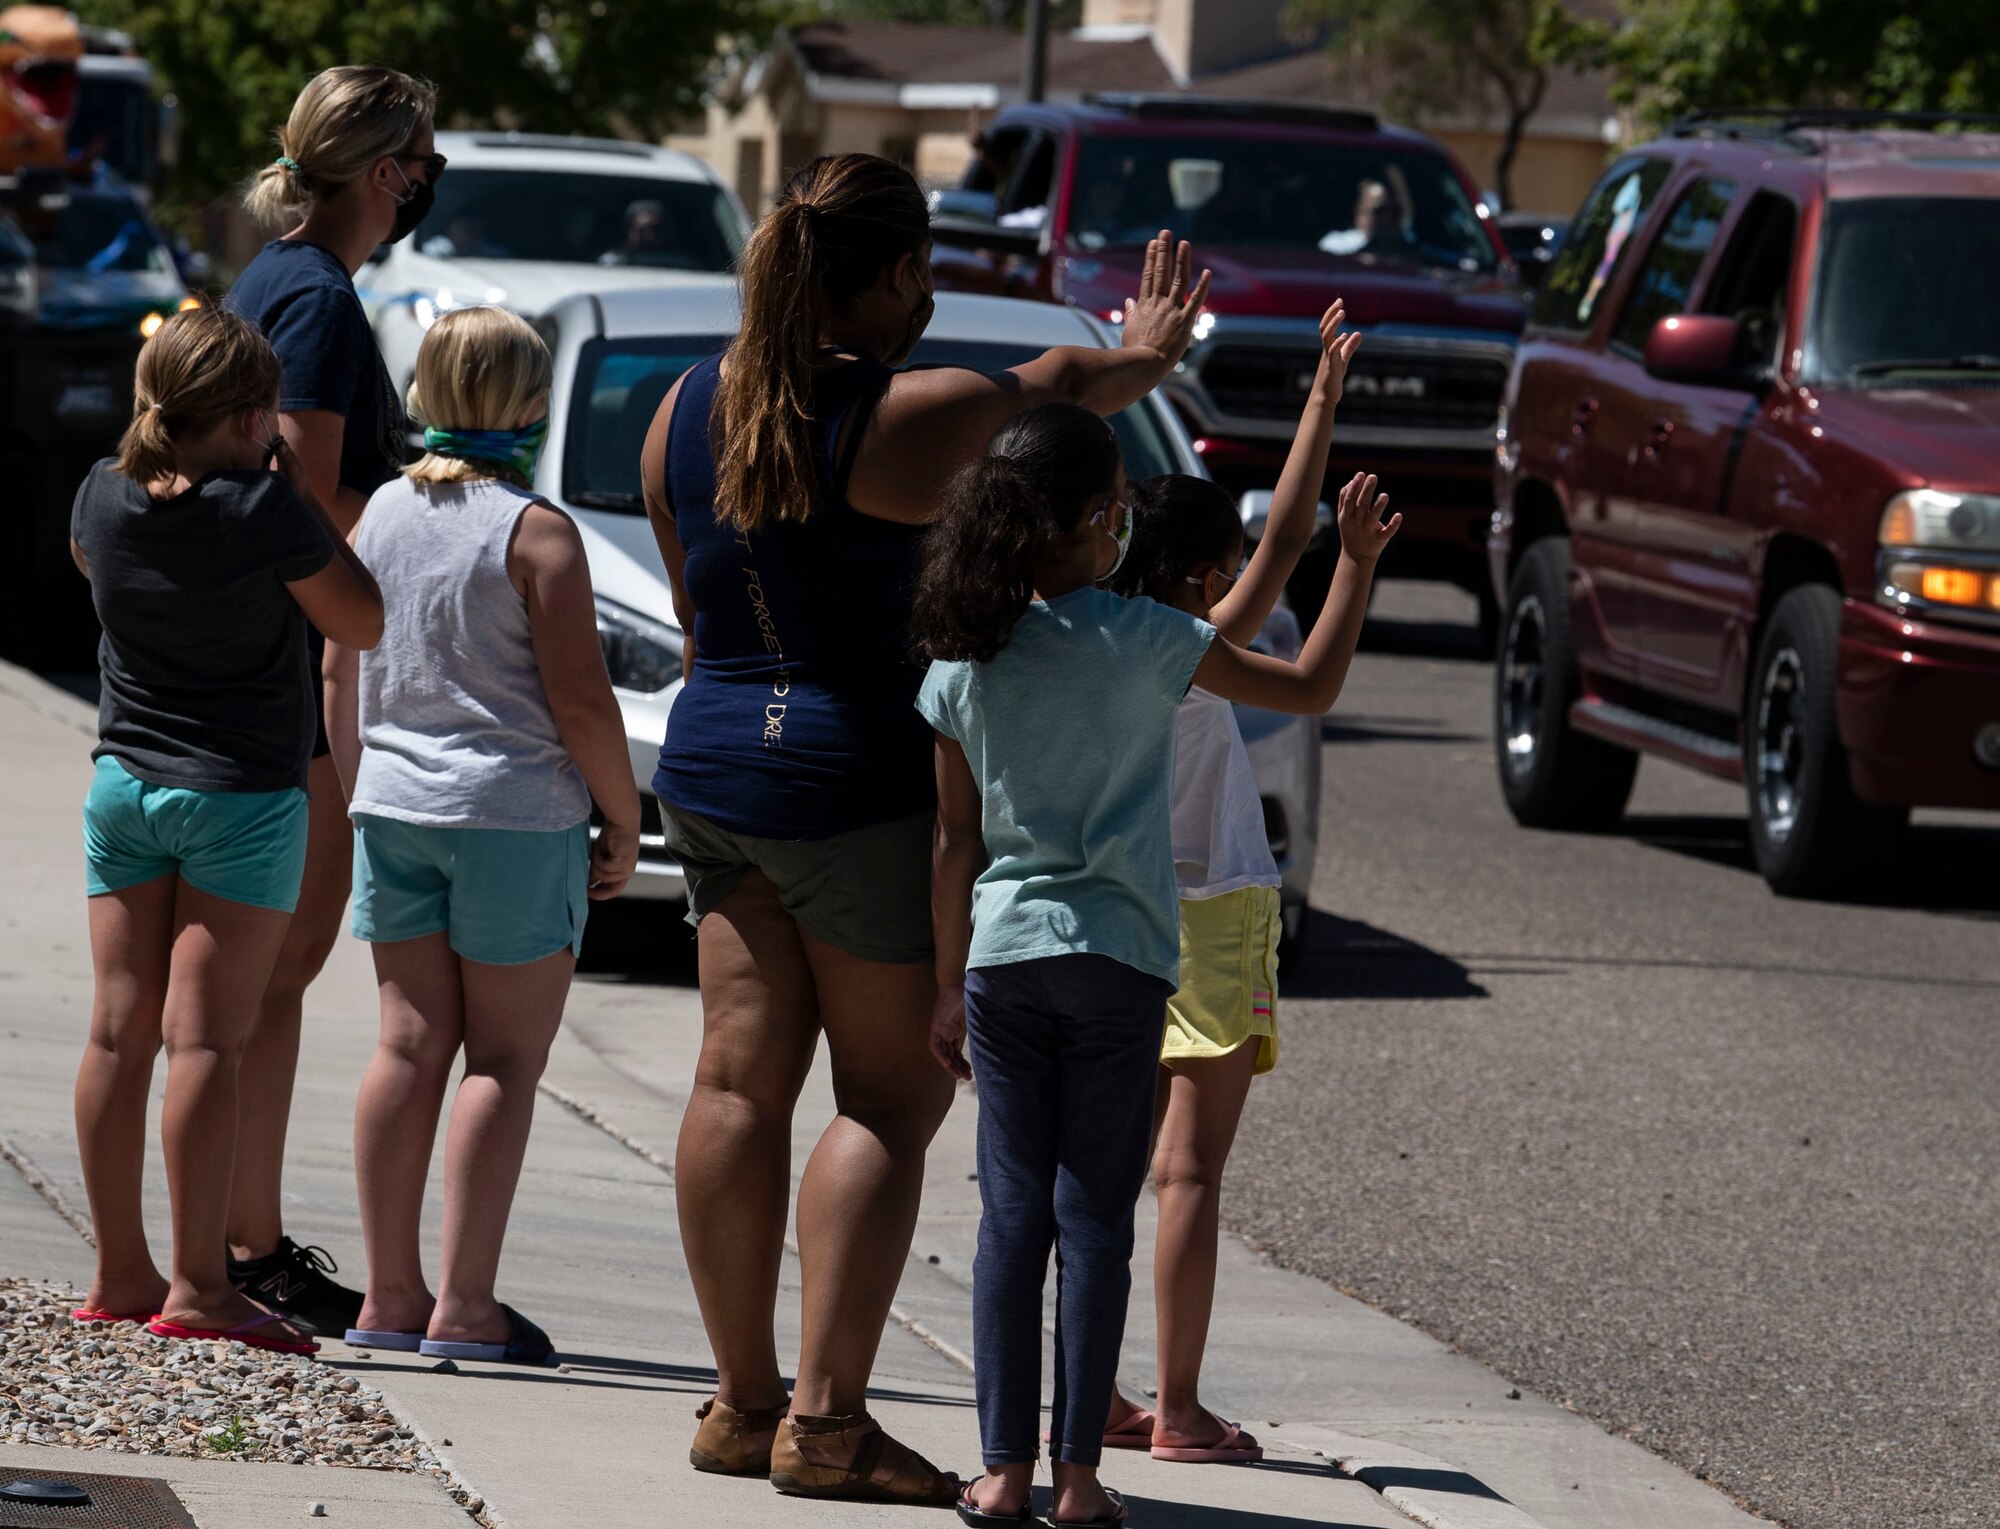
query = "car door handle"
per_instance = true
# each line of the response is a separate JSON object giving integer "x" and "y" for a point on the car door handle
{"x": 1582, "y": 416}
{"x": 1659, "y": 436}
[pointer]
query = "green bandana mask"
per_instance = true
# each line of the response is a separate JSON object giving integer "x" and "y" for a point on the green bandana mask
{"x": 518, "y": 449}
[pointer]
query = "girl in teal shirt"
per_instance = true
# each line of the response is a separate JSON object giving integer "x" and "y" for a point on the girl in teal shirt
{"x": 1054, "y": 902}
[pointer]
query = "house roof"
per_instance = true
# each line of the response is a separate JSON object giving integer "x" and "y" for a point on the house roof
{"x": 919, "y": 66}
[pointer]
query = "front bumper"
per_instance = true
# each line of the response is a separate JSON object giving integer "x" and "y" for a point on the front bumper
{"x": 1912, "y": 697}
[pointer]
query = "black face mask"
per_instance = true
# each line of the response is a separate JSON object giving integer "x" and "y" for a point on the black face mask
{"x": 412, "y": 208}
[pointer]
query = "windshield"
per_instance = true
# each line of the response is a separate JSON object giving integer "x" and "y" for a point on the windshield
{"x": 1368, "y": 203}
{"x": 99, "y": 234}
{"x": 620, "y": 385}
{"x": 582, "y": 220}
{"x": 1937, "y": 257}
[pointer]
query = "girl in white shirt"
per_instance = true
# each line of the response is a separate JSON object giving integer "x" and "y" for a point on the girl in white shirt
{"x": 1187, "y": 551}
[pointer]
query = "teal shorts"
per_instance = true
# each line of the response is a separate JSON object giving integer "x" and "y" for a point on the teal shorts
{"x": 244, "y": 846}
{"x": 504, "y": 896}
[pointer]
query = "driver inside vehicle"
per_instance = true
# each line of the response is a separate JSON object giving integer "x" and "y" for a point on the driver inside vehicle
{"x": 645, "y": 235}
{"x": 1381, "y": 224}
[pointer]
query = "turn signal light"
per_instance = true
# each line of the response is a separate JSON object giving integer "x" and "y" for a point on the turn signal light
{"x": 1966, "y": 589}
{"x": 1953, "y": 586}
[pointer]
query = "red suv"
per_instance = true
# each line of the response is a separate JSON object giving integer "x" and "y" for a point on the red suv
{"x": 1748, "y": 486}
{"x": 1290, "y": 206}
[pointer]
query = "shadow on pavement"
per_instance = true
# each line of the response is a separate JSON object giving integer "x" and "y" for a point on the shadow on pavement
{"x": 1394, "y": 638}
{"x": 1417, "y": 1478}
{"x": 1345, "y": 958}
{"x": 1939, "y": 867}
{"x": 1163, "y": 1513}
{"x": 1346, "y": 727}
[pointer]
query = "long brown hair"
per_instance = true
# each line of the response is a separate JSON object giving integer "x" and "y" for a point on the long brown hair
{"x": 838, "y": 224}
{"x": 199, "y": 368}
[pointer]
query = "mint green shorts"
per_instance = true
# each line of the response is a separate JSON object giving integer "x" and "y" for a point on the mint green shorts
{"x": 244, "y": 846}
{"x": 504, "y": 896}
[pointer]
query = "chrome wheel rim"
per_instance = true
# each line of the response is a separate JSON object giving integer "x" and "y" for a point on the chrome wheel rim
{"x": 1523, "y": 671}
{"x": 1781, "y": 743}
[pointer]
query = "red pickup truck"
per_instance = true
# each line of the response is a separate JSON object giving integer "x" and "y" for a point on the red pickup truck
{"x": 1290, "y": 206}
{"x": 1748, "y": 487}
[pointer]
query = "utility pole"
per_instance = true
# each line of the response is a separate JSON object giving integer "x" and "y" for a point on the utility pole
{"x": 1035, "y": 67}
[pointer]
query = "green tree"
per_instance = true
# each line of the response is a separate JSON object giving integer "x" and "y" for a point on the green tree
{"x": 955, "y": 13}
{"x": 1674, "y": 56}
{"x": 623, "y": 67}
{"x": 1438, "y": 54}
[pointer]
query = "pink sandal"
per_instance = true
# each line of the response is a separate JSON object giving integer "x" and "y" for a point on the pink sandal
{"x": 84, "y": 1316}
{"x": 1136, "y": 1432}
{"x": 1235, "y": 1447}
{"x": 243, "y": 1332}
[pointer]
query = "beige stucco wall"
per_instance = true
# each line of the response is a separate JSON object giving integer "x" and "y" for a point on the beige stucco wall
{"x": 1551, "y": 175}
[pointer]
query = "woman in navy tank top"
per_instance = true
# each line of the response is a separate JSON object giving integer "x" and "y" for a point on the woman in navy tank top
{"x": 788, "y": 482}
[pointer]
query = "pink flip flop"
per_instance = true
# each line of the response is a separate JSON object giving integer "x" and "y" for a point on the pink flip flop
{"x": 85, "y": 1316}
{"x": 1136, "y": 1432}
{"x": 1235, "y": 1447}
{"x": 243, "y": 1332}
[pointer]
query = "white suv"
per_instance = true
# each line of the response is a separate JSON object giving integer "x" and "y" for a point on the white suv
{"x": 525, "y": 220}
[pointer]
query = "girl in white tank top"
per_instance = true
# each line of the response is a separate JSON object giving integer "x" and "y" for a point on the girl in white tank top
{"x": 488, "y": 725}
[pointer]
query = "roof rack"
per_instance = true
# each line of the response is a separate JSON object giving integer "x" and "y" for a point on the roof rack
{"x": 1782, "y": 124}
{"x": 1218, "y": 109}
{"x": 558, "y": 141}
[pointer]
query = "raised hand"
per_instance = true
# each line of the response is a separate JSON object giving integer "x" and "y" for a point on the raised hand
{"x": 1363, "y": 532}
{"x": 1170, "y": 301}
{"x": 1336, "y": 350}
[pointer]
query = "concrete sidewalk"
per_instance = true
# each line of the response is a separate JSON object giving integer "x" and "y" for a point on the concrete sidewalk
{"x": 1370, "y": 1423}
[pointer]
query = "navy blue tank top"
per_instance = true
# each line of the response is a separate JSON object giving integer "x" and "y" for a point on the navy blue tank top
{"x": 799, "y": 720}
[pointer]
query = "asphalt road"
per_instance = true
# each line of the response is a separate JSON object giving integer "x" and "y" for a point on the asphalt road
{"x": 1718, "y": 1170}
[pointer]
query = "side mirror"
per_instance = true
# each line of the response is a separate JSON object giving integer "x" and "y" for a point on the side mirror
{"x": 1255, "y": 508}
{"x": 1704, "y": 349}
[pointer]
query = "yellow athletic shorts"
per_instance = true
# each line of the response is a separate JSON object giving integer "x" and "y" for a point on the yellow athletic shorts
{"x": 1229, "y": 978}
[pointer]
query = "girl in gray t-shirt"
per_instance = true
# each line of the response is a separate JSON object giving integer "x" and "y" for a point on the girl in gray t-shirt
{"x": 203, "y": 566}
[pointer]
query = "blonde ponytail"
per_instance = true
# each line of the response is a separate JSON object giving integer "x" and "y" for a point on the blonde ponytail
{"x": 343, "y": 121}
{"x": 199, "y": 368}
{"x": 145, "y": 452}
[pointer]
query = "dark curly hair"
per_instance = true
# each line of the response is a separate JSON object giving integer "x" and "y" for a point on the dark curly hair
{"x": 1000, "y": 516}
{"x": 1179, "y": 524}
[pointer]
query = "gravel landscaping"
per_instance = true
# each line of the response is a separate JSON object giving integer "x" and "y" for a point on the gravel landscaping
{"x": 117, "y": 1386}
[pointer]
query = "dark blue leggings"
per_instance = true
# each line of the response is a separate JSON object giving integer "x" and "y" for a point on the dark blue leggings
{"x": 1065, "y": 1054}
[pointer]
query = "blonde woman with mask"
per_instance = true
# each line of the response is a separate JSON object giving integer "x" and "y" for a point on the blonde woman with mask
{"x": 487, "y": 727}
{"x": 355, "y": 167}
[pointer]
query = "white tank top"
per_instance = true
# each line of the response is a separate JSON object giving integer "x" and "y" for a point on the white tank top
{"x": 455, "y": 726}
{"x": 1219, "y": 841}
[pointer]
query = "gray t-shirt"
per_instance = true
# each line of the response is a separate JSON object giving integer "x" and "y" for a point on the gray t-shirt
{"x": 205, "y": 680}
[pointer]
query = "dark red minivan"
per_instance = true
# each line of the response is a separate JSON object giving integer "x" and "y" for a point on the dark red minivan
{"x": 1748, "y": 486}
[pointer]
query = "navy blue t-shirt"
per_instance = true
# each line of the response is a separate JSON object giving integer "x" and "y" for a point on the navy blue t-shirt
{"x": 799, "y": 721}
{"x": 301, "y": 297}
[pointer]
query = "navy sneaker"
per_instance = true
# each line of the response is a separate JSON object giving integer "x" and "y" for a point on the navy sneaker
{"x": 293, "y": 1281}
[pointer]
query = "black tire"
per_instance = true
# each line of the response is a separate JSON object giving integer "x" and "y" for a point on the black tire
{"x": 1809, "y": 833}
{"x": 1551, "y": 775}
{"x": 1293, "y": 937}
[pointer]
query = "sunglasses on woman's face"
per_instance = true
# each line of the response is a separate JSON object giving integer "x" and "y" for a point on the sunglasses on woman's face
{"x": 433, "y": 165}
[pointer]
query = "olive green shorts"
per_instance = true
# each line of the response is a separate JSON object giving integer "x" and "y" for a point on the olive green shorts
{"x": 866, "y": 892}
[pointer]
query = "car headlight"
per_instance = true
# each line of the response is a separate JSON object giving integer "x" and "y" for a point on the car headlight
{"x": 641, "y": 654}
{"x": 1941, "y": 552}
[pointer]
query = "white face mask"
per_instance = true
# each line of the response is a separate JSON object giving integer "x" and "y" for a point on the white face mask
{"x": 1122, "y": 536}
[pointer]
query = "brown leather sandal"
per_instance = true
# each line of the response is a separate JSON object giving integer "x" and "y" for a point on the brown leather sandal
{"x": 851, "y": 1457}
{"x": 732, "y": 1443}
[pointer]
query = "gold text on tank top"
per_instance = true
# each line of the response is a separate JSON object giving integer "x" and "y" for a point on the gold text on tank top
{"x": 774, "y": 710}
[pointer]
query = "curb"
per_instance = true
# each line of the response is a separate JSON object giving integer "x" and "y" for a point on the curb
{"x": 1432, "y": 1492}
{"x": 46, "y": 700}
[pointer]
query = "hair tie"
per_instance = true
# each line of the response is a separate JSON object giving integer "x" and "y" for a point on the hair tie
{"x": 286, "y": 162}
